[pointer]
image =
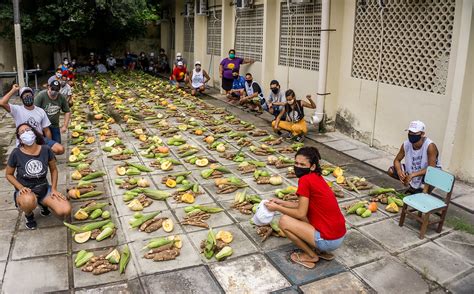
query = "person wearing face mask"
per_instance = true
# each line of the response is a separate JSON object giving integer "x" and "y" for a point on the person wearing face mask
{"x": 315, "y": 223}
{"x": 294, "y": 112}
{"x": 276, "y": 100}
{"x": 227, "y": 66}
{"x": 179, "y": 76}
{"x": 254, "y": 95}
{"x": 29, "y": 113}
{"x": 31, "y": 161}
{"x": 238, "y": 87}
{"x": 53, "y": 102}
{"x": 66, "y": 90}
{"x": 419, "y": 152}
{"x": 179, "y": 58}
{"x": 65, "y": 65}
{"x": 111, "y": 63}
{"x": 198, "y": 80}
{"x": 163, "y": 64}
{"x": 56, "y": 77}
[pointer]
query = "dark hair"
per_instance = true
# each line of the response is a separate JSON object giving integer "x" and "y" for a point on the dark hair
{"x": 313, "y": 156}
{"x": 274, "y": 82}
{"x": 232, "y": 50}
{"x": 162, "y": 50}
{"x": 59, "y": 69}
{"x": 248, "y": 74}
{"x": 290, "y": 92}
{"x": 235, "y": 70}
{"x": 39, "y": 137}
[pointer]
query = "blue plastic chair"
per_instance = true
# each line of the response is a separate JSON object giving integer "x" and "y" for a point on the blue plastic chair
{"x": 422, "y": 205}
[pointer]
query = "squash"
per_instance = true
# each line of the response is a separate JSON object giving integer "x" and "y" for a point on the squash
{"x": 120, "y": 170}
{"x": 138, "y": 131}
{"x": 220, "y": 148}
{"x": 337, "y": 172}
{"x": 76, "y": 175}
{"x": 163, "y": 149}
{"x": 142, "y": 138}
{"x": 373, "y": 206}
{"x": 168, "y": 225}
{"x": 177, "y": 242}
{"x": 76, "y": 151}
{"x": 202, "y": 162}
{"x": 98, "y": 116}
{"x": 82, "y": 237}
{"x": 73, "y": 158}
{"x": 170, "y": 183}
{"x": 340, "y": 179}
{"x": 90, "y": 140}
{"x": 198, "y": 132}
{"x": 209, "y": 139}
{"x": 187, "y": 198}
{"x": 75, "y": 134}
{"x": 74, "y": 193}
{"x": 224, "y": 236}
{"x": 166, "y": 165}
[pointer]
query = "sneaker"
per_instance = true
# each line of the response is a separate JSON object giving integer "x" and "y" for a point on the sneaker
{"x": 279, "y": 133}
{"x": 299, "y": 138}
{"x": 30, "y": 222}
{"x": 44, "y": 211}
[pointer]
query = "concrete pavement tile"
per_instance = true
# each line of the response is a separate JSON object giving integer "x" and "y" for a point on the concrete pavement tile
{"x": 465, "y": 201}
{"x": 40, "y": 242}
{"x": 86, "y": 279}
{"x": 391, "y": 236}
{"x": 344, "y": 283}
{"x": 341, "y": 145}
{"x": 365, "y": 153}
{"x": 188, "y": 257}
{"x": 382, "y": 163}
{"x": 193, "y": 280}
{"x": 132, "y": 286}
{"x": 216, "y": 220}
{"x": 8, "y": 219}
{"x": 361, "y": 169}
{"x": 5, "y": 244}
{"x": 415, "y": 226}
{"x": 460, "y": 242}
{"x": 299, "y": 274}
{"x": 463, "y": 285}
{"x": 38, "y": 270}
{"x": 135, "y": 234}
{"x": 323, "y": 138}
{"x": 389, "y": 275}
{"x": 249, "y": 274}
{"x": 357, "y": 249}
{"x": 289, "y": 290}
{"x": 43, "y": 221}
{"x": 442, "y": 268}
{"x": 271, "y": 243}
{"x": 7, "y": 203}
{"x": 240, "y": 244}
{"x": 3, "y": 264}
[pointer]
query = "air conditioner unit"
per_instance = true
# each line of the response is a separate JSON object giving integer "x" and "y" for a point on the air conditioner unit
{"x": 188, "y": 9}
{"x": 301, "y": 2}
{"x": 243, "y": 4}
{"x": 201, "y": 7}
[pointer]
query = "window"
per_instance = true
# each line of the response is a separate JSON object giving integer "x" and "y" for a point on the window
{"x": 416, "y": 45}
{"x": 249, "y": 33}
{"x": 189, "y": 34}
{"x": 300, "y": 36}
{"x": 214, "y": 33}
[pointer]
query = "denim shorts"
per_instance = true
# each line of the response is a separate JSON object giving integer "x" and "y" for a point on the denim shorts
{"x": 327, "y": 245}
{"x": 49, "y": 142}
{"x": 41, "y": 194}
{"x": 55, "y": 134}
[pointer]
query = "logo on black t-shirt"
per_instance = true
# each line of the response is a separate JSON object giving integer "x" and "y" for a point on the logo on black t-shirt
{"x": 34, "y": 168}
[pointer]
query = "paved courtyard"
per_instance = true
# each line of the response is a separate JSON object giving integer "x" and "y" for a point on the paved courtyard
{"x": 377, "y": 255}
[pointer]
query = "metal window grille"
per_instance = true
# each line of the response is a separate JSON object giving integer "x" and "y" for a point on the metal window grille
{"x": 189, "y": 35}
{"x": 214, "y": 33}
{"x": 416, "y": 43}
{"x": 300, "y": 36}
{"x": 249, "y": 33}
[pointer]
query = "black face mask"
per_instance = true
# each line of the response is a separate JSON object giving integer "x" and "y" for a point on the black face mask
{"x": 275, "y": 90}
{"x": 27, "y": 100}
{"x": 301, "y": 171}
{"x": 236, "y": 77}
{"x": 414, "y": 138}
{"x": 249, "y": 82}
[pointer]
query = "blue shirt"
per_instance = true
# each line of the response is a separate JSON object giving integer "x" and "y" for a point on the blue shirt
{"x": 238, "y": 83}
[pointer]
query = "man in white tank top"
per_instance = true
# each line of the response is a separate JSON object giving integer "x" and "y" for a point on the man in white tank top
{"x": 419, "y": 153}
{"x": 198, "y": 80}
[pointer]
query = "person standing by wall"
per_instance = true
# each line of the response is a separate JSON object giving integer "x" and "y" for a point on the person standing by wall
{"x": 227, "y": 66}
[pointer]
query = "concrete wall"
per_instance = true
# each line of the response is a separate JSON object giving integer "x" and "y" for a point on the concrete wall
{"x": 7, "y": 62}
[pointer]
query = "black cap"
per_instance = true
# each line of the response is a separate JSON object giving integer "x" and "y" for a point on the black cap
{"x": 55, "y": 85}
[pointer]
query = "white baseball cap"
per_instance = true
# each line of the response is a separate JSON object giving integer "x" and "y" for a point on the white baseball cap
{"x": 25, "y": 89}
{"x": 263, "y": 216}
{"x": 197, "y": 62}
{"x": 416, "y": 126}
{"x": 178, "y": 54}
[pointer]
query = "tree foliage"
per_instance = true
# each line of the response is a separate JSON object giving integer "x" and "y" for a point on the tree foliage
{"x": 57, "y": 21}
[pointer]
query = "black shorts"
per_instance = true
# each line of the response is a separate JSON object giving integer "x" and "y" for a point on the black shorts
{"x": 42, "y": 191}
{"x": 227, "y": 84}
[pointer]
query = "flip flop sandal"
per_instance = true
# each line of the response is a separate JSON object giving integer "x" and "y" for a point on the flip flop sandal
{"x": 295, "y": 257}
{"x": 325, "y": 256}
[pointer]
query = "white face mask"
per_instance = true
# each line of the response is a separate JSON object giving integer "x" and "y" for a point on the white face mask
{"x": 59, "y": 75}
{"x": 66, "y": 62}
{"x": 28, "y": 138}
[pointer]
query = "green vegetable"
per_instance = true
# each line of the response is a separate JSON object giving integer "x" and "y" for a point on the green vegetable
{"x": 119, "y": 181}
{"x": 156, "y": 243}
{"x": 185, "y": 187}
{"x": 93, "y": 175}
{"x": 210, "y": 243}
{"x": 382, "y": 191}
{"x": 91, "y": 208}
{"x": 124, "y": 259}
{"x": 113, "y": 257}
{"x": 208, "y": 209}
{"x": 207, "y": 173}
{"x": 87, "y": 227}
{"x": 96, "y": 213}
{"x": 366, "y": 213}
{"x": 179, "y": 179}
{"x": 360, "y": 210}
{"x": 84, "y": 259}
{"x": 107, "y": 232}
{"x": 156, "y": 194}
{"x": 225, "y": 252}
{"x": 80, "y": 255}
{"x": 105, "y": 214}
{"x": 354, "y": 207}
{"x": 140, "y": 167}
{"x": 196, "y": 188}
{"x": 138, "y": 221}
{"x": 91, "y": 194}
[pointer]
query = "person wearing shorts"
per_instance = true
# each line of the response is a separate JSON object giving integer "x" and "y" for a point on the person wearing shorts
{"x": 31, "y": 161}
{"x": 228, "y": 66}
{"x": 315, "y": 223}
{"x": 198, "y": 79}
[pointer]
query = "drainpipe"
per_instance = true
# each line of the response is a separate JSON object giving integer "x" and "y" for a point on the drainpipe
{"x": 18, "y": 44}
{"x": 323, "y": 63}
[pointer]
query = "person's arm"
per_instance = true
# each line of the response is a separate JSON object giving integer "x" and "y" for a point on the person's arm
{"x": 298, "y": 212}
{"x": 289, "y": 204}
{"x": 432, "y": 155}
{"x": 206, "y": 76}
{"x": 221, "y": 70}
{"x": 4, "y": 101}
{"x": 67, "y": 118}
{"x": 311, "y": 103}
{"x": 397, "y": 164}
{"x": 247, "y": 60}
{"x": 54, "y": 174}
{"x": 47, "y": 133}
{"x": 277, "y": 120}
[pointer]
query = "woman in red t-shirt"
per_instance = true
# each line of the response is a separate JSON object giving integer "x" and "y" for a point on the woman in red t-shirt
{"x": 315, "y": 221}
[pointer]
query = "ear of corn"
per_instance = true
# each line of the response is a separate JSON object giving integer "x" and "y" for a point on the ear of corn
{"x": 124, "y": 259}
